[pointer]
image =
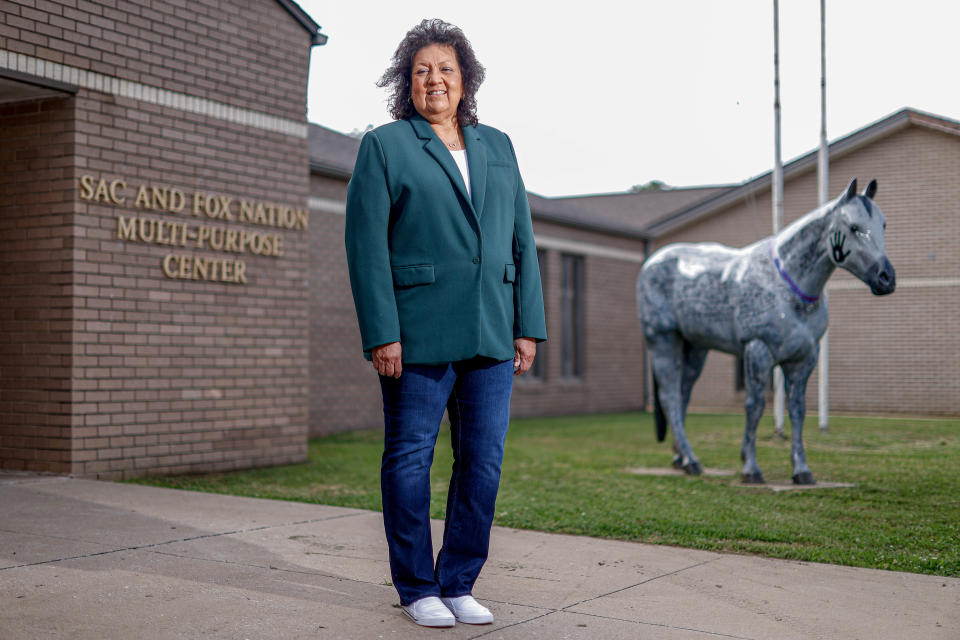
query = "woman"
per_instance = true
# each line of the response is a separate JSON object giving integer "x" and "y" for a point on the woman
{"x": 446, "y": 285}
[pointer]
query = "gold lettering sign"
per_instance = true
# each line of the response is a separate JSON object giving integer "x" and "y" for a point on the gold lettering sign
{"x": 186, "y": 267}
{"x": 204, "y": 224}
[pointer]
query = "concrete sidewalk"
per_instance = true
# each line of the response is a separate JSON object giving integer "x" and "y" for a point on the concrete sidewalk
{"x": 84, "y": 559}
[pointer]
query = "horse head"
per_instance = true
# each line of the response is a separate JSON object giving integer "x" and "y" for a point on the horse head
{"x": 855, "y": 239}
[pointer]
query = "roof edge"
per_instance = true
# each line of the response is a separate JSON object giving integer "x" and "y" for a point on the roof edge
{"x": 38, "y": 81}
{"x": 341, "y": 173}
{"x": 316, "y": 38}
{"x": 329, "y": 170}
{"x": 604, "y": 194}
{"x": 609, "y": 229}
{"x": 841, "y": 146}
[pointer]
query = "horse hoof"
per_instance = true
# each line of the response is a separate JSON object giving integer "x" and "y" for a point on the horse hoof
{"x": 677, "y": 462}
{"x": 804, "y": 478}
{"x": 693, "y": 469}
{"x": 753, "y": 478}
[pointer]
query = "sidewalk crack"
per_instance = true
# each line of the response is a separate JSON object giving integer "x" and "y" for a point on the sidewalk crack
{"x": 569, "y": 607}
{"x": 153, "y": 545}
{"x": 647, "y": 581}
{"x": 660, "y": 624}
{"x": 306, "y": 572}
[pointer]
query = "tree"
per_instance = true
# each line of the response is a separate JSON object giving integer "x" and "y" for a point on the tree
{"x": 653, "y": 185}
{"x": 358, "y": 133}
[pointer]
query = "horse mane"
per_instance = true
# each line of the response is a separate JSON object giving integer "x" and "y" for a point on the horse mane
{"x": 819, "y": 217}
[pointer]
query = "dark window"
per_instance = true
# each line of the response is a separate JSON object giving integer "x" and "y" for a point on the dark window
{"x": 571, "y": 294}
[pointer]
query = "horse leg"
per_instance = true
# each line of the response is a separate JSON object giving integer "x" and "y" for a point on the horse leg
{"x": 795, "y": 377}
{"x": 693, "y": 360}
{"x": 757, "y": 361}
{"x": 666, "y": 356}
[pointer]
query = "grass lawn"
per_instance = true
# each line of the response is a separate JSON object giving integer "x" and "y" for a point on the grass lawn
{"x": 572, "y": 475}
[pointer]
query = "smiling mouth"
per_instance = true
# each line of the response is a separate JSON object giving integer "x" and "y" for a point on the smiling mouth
{"x": 437, "y": 93}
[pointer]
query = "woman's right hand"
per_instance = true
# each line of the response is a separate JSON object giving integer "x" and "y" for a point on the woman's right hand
{"x": 386, "y": 359}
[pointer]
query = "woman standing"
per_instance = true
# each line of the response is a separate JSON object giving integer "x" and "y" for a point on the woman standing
{"x": 446, "y": 285}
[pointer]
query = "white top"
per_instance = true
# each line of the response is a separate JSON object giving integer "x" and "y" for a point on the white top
{"x": 460, "y": 157}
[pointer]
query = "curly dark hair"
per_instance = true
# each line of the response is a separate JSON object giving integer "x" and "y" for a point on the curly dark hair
{"x": 397, "y": 76}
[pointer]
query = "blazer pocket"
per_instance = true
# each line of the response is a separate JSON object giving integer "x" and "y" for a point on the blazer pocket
{"x": 413, "y": 275}
{"x": 510, "y": 274}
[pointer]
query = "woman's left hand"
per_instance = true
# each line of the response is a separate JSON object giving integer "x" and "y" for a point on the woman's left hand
{"x": 524, "y": 351}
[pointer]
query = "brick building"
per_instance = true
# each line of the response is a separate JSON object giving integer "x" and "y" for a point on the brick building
{"x": 887, "y": 354}
{"x": 897, "y": 353}
{"x": 153, "y": 186}
{"x": 175, "y": 293}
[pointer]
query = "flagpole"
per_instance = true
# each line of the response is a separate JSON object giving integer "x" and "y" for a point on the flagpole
{"x": 777, "y": 197}
{"x": 823, "y": 181}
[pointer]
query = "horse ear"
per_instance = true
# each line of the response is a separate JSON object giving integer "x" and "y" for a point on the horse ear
{"x": 871, "y": 189}
{"x": 850, "y": 192}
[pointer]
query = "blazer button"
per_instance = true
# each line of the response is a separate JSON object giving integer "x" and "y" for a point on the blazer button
{"x": 476, "y": 261}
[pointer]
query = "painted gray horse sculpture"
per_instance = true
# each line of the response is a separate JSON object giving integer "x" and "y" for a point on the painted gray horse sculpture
{"x": 762, "y": 303}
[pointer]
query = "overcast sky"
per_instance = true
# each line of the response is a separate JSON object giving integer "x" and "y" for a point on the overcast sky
{"x": 601, "y": 95}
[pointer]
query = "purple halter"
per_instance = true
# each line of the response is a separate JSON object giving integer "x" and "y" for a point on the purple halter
{"x": 775, "y": 256}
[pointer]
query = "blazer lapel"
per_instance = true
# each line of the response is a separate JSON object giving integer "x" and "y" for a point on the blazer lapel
{"x": 477, "y": 164}
{"x": 435, "y": 148}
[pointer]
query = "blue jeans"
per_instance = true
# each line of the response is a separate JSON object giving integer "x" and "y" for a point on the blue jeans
{"x": 476, "y": 394}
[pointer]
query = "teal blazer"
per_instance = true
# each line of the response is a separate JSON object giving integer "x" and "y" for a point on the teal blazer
{"x": 448, "y": 276}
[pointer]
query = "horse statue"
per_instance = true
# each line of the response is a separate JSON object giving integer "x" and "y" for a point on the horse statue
{"x": 761, "y": 303}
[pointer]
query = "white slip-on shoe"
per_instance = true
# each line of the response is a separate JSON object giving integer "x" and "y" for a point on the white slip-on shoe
{"x": 468, "y": 610}
{"x": 429, "y": 612}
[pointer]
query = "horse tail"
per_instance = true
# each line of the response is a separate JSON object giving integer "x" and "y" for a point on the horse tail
{"x": 658, "y": 415}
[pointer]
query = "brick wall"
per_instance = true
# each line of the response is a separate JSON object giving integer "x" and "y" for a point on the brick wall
{"x": 344, "y": 391}
{"x": 177, "y": 375}
{"x": 898, "y": 353}
{"x": 247, "y": 54}
{"x": 36, "y": 224}
{"x": 612, "y": 378}
{"x": 163, "y": 374}
{"x": 887, "y": 354}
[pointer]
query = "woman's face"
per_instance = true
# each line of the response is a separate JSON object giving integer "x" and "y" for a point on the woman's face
{"x": 436, "y": 83}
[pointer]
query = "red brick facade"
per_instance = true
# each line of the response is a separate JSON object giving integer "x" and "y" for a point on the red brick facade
{"x": 36, "y": 280}
{"x": 163, "y": 330}
{"x": 613, "y": 365}
{"x": 251, "y": 55}
{"x": 344, "y": 392}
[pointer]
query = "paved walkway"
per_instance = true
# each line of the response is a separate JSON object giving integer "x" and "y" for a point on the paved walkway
{"x": 84, "y": 559}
